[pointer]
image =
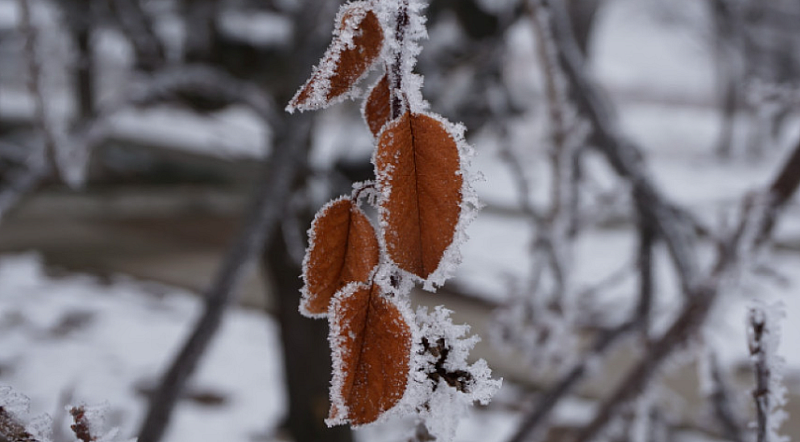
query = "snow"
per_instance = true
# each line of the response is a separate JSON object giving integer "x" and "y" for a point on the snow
{"x": 257, "y": 28}
{"x": 660, "y": 76}
{"x": 121, "y": 336}
{"x": 232, "y": 133}
{"x": 9, "y": 14}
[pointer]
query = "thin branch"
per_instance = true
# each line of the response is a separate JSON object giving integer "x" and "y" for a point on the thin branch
{"x": 624, "y": 155}
{"x": 762, "y": 374}
{"x": 755, "y": 227}
{"x": 668, "y": 223}
{"x": 645, "y": 263}
{"x": 548, "y": 401}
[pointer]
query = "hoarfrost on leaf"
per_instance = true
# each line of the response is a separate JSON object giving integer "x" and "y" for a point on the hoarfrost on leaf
{"x": 443, "y": 383}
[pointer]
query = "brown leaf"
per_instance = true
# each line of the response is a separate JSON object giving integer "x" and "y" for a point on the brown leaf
{"x": 378, "y": 107}
{"x": 418, "y": 161}
{"x": 344, "y": 63}
{"x": 372, "y": 348}
{"x": 343, "y": 248}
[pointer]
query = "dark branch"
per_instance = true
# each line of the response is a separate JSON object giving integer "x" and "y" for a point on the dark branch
{"x": 624, "y": 155}
{"x": 647, "y": 239}
{"x": 547, "y": 402}
{"x": 755, "y": 227}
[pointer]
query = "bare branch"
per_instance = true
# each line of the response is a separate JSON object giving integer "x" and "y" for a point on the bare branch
{"x": 623, "y": 154}
{"x": 755, "y": 227}
{"x": 645, "y": 264}
{"x": 396, "y": 69}
{"x": 139, "y": 29}
{"x": 547, "y": 402}
{"x": 669, "y": 224}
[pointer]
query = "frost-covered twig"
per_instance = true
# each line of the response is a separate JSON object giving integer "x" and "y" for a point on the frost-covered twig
{"x": 544, "y": 332}
{"x": 669, "y": 224}
{"x": 623, "y": 155}
{"x": 548, "y": 401}
{"x": 754, "y": 229}
{"x": 395, "y": 70}
{"x": 763, "y": 335}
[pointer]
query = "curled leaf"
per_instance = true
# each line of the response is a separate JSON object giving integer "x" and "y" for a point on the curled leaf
{"x": 378, "y": 107}
{"x": 343, "y": 248}
{"x": 356, "y": 45}
{"x": 371, "y": 343}
{"x": 418, "y": 164}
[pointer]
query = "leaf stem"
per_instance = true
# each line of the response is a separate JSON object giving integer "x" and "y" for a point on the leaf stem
{"x": 395, "y": 70}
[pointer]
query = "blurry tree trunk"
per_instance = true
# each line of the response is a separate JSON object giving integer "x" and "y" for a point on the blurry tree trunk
{"x": 81, "y": 26}
{"x": 306, "y": 357}
{"x": 79, "y": 18}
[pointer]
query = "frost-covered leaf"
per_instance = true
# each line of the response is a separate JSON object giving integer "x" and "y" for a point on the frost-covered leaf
{"x": 357, "y": 43}
{"x": 377, "y": 107}
{"x": 419, "y": 173}
{"x": 343, "y": 248}
{"x": 371, "y": 341}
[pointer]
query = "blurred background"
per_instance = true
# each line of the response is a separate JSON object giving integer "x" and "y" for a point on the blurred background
{"x": 149, "y": 177}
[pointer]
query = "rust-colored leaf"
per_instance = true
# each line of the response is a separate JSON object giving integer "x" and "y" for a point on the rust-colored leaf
{"x": 418, "y": 162}
{"x": 378, "y": 107}
{"x": 356, "y": 44}
{"x": 343, "y": 248}
{"x": 371, "y": 343}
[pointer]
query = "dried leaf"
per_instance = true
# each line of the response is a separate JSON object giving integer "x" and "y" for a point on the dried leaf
{"x": 356, "y": 45}
{"x": 378, "y": 107}
{"x": 343, "y": 249}
{"x": 418, "y": 162}
{"x": 371, "y": 343}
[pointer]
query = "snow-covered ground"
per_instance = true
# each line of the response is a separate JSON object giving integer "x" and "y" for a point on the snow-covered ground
{"x": 107, "y": 342}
